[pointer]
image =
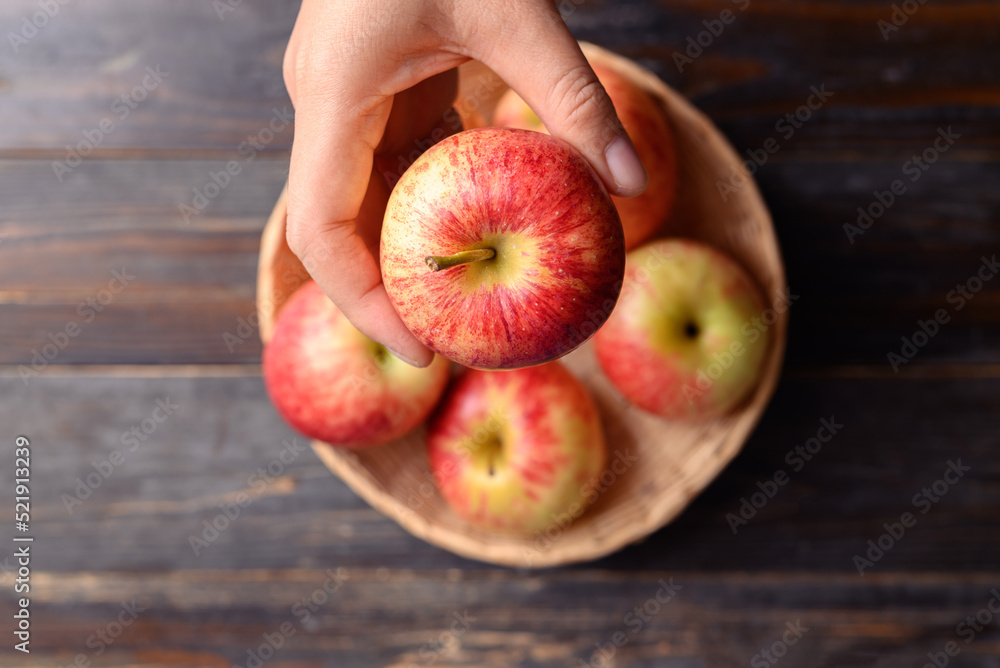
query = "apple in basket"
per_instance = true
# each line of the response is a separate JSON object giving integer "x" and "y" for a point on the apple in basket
{"x": 331, "y": 382}
{"x": 517, "y": 451}
{"x": 685, "y": 339}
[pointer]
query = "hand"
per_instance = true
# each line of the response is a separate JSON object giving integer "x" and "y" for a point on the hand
{"x": 370, "y": 77}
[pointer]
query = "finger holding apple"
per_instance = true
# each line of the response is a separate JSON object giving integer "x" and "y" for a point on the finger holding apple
{"x": 647, "y": 126}
{"x": 332, "y": 383}
{"x": 681, "y": 341}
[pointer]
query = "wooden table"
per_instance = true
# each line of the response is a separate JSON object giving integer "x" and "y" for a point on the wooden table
{"x": 141, "y": 319}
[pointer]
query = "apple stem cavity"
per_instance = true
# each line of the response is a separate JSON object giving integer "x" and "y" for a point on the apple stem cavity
{"x": 439, "y": 262}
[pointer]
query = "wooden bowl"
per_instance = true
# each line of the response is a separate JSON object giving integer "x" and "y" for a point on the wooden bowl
{"x": 674, "y": 461}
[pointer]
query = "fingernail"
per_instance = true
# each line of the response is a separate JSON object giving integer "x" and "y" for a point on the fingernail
{"x": 404, "y": 358}
{"x": 626, "y": 169}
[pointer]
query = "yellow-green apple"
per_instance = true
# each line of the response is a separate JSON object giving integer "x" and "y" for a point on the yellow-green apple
{"x": 501, "y": 249}
{"x": 331, "y": 382}
{"x": 681, "y": 341}
{"x": 647, "y": 126}
{"x": 516, "y": 451}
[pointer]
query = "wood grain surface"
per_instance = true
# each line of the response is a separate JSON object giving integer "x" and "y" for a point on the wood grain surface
{"x": 397, "y": 601}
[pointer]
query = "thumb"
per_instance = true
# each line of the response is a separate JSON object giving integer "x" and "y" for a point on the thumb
{"x": 543, "y": 63}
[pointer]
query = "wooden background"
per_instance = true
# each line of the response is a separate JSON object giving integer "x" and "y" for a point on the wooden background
{"x": 163, "y": 338}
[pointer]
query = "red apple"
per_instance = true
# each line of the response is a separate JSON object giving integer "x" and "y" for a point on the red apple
{"x": 647, "y": 126}
{"x": 685, "y": 340}
{"x": 501, "y": 249}
{"x": 516, "y": 451}
{"x": 331, "y": 382}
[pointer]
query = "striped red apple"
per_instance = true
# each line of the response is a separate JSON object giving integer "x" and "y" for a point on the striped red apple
{"x": 517, "y": 451}
{"x": 331, "y": 382}
{"x": 682, "y": 341}
{"x": 501, "y": 249}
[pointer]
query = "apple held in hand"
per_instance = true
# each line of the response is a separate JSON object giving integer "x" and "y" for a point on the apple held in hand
{"x": 501, "y": 249}
{"x": 647, "y": 126}
{"x": 331, "y": 382}
{"x": 513, "y": 451}
{"x": 682, "y": 341}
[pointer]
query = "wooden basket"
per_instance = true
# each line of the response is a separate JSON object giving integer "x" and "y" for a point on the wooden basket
{"x": 673, "y": 461}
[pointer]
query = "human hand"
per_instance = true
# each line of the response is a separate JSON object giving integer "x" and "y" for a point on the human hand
{"x": 370, "y": 77}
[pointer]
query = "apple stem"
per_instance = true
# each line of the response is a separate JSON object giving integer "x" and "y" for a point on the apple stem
{"x": 439, "y": 262}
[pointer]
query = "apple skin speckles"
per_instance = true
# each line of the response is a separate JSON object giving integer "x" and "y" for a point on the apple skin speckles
{"x": 559, "y": 242}
{"x": 647, "y": 350}
{"x": 512, "y": 451}
{"x": 331, "y": 382}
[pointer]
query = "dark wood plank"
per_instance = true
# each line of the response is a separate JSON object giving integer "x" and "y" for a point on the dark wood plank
{"x": 887, "y": 94}
{"x": 898, "y": 437}
{"x": 383, "y": 617}
{"x": 791, "y": 564}
{"x": 187, "y": 282}
{"x": 863, "y": 289}
{"x": 225, "y": 75}
{"x": 129, "y": 193}
{"x": 138, "y": 331}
